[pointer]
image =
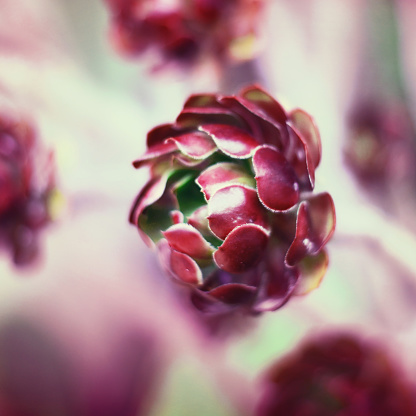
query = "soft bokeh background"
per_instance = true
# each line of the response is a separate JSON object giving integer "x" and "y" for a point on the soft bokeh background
{"x": 96, "y": 280}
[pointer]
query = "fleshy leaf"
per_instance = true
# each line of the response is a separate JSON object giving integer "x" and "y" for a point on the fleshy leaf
{"x": 176, "y": 216}
{"x": 242, "y": 249}
{"x": 179, "y": 265}
{"x": 231, "y": 140}
{"x": 202, "y": 101}
{"x": 224, "y": 298}
{"x": 188, "y": 240}
{"x": 312, "y": 271}
{"x": 300, "y": 160}
{"x": 195, "y": 117}
{"x": 196, "y": 145}
{"x": 151, "y": 192}
{"x": 265, "y": 131}
{"x": 232, "y": 206}
{"x": 263, "y": 104}
{"x": 309, "y": 133}
{"x": 180, "y": 160}
{"x": 279, "y": 282}
{"x": 223, "y": 174}
{"x": 233, "y": 293}
{"x": 315, "y": 225}
{"x": 155, "y": 152}
{"x": 198, "y": 219}
{"x": 185, "y": 268}
{"x": 160, "y": 133}
{"x": 277, "y": 185}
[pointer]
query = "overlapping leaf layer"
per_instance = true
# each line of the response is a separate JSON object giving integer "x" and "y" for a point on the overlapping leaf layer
{"x": 229, "y": 202}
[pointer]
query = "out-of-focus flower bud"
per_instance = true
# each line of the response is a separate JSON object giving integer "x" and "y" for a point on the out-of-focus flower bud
{"x": 26, "y": 185}
{"x": 337, "y": 375}
{"x": 380, "y": 147}
{"x": 184, "y": 31}
{"x": 78, "y": 347}
{"x": 229, "y": 202}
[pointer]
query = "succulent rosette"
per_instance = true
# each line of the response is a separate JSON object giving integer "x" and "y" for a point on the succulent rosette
{"x": 184, "y": 31}
{"x": 26, "y": 185}
{"x": 229, "y": 202}
{"x": 337, "y": 375}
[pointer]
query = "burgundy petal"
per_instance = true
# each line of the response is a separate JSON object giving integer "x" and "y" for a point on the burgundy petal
{"x": 279, "y": 282}
{"x": 221, "y": 175}
{"x": 277, "y": 185}
{"x": 194, "y": 117}
{"x": 155, "y": 152}
{"x": 196, "y": 145}
{"x": 151, "y": 192}
{"x": 160, "y": 133}
{"x": 188, "y": 240}
{"x": 224, "y": 298}
{"x": 242, "y": 249}
{"x": 180, "y": 159}
{"x": 185, "y": 268}
{"x": 202, "y": 101}
{"x": 307, "y": 129}
{"x": 263, "y": 104}
{"x": 301, "y": 161}
{"x": 179, "y": 265}
{"x": 265, "y": 131}
{"x": 232, "y": 206}
{"x": 231, "y": 140}
{"x": 177, "y": 216}
{"x": 198, "y": 219}
{"x": 233, "y": 293}
{"x": 315, "y": 225}
{"x": 312, "y": 271}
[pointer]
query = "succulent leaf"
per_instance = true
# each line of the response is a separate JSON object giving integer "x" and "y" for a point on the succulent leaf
{"x": 242, "y": 249}
{"x": 188, "y": 240}
{"x": 315, "y": 225}
{"x": 313, "y": 269}
{"x": 231, "y": 140}
{"x": 277, "y": 184}
{"x": 306, "y": 127}
{"x": 221, "y": 175}
{"x": 232, "y": 206}
{"x": 196, "y": 145}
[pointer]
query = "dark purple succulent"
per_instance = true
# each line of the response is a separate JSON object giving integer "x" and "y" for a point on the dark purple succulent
{"x": 26, "y": 184}
{"x": 229, "y": 201}
{"x": 337, "y": 375}
{"x": 182, "y": 31}
{"x": 380, "y": 149}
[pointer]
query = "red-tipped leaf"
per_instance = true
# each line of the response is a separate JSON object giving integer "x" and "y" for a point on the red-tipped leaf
{"x": 277, "y": 184}
{"x": 242, "y": 249}
{"x": 233, "y": 206}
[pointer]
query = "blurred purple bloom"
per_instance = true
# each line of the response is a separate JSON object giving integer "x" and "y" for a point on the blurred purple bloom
{"x": 26, "y": 184}
{"x": 381, "y": 144}
{"x": 182, "y": 31}
{"x": 229, "y": 201}
{"x": 337, "y": 375}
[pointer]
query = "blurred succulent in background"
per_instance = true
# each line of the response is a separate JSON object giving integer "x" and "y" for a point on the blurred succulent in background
{"x": 229, "y": 201}
{"x": 184, "y": 31}
{"x": 337, "y": 375}
{"x": 380, "y": 147}
{"x": 26, "y": 185}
